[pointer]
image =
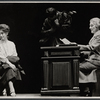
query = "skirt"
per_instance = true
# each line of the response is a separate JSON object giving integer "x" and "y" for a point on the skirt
{"x": 9, "y": 74}
{"x": 87, "y": 73}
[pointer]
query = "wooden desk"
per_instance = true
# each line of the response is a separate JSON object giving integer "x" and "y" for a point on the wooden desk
{"x": 61, "y": 70}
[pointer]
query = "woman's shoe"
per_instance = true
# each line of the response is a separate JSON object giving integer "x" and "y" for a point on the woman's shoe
{"x": 4, "y": 93}
{"x": 13, "y": 94}
{"x": 87, "y": 91}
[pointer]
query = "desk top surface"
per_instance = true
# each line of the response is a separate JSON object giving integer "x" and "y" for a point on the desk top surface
{"x": 60, "y": 47}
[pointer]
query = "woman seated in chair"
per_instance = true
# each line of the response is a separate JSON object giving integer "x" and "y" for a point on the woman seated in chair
{"x": 8, "y": 61}
{"x": 87, "y": 74}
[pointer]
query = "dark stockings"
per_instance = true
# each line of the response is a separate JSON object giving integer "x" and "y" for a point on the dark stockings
{"x": 86, "y": 89}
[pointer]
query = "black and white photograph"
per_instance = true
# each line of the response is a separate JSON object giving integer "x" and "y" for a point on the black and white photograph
{"x": 49, "y": 49}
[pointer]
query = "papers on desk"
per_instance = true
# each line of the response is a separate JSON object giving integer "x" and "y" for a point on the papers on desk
{"x": 67, "y": 42}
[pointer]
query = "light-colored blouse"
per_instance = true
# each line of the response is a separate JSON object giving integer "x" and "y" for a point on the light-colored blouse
{"x": 7, "y": 48}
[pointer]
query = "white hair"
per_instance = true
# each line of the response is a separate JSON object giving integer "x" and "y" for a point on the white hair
{"x": 96, "y": 21}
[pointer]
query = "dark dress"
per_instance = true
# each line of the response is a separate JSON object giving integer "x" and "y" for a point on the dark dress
{"x": 49, "y": 36}
{"x": 51, "y": 31}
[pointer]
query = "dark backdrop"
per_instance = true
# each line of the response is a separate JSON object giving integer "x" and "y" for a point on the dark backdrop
{"x": 25, "y": 21}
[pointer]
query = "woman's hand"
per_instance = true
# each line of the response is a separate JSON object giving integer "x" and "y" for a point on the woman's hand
{"x": 83, "y": 47}
{"x": 12, "y": 66}
{"x": 56, "y": 22}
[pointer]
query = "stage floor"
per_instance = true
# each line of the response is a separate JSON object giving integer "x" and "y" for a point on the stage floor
{"x": 33, "y": 96}
{"x": 38, "y": 96}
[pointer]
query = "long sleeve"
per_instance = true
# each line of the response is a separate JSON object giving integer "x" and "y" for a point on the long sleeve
{"x": 94, "y": 44}
{"x": 84, "y": 47}
{"x": 7, "y": 49}
{"x": 14, "y": 50}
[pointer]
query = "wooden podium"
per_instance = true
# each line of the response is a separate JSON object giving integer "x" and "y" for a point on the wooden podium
{"x": 61, "y": 70}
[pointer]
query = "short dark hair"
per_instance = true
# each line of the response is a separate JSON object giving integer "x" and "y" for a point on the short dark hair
{"x": 4, "y": 27}
{"x": 51, "y": 11}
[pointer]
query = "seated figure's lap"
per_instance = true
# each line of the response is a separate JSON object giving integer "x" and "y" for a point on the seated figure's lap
{"x": 87, "y": 67}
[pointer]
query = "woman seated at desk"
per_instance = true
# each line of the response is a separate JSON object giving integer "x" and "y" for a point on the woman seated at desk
{"x": 87, "y": 74}
{"x": 8, "y": 60}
